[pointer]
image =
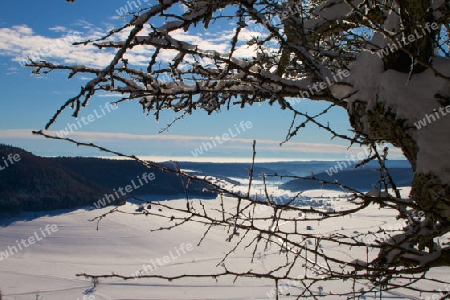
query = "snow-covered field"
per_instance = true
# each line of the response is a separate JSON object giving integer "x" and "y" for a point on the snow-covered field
{"x": 124, "y": 245}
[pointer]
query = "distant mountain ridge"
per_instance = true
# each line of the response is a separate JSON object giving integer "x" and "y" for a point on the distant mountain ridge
{"x": 363, "y": 178}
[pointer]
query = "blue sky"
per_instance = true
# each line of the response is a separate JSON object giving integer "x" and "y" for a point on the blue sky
{"x": 28, "y": 101}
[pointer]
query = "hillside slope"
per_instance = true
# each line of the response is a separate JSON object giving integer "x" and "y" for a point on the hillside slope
{"x": 114, "y": 174}
{"x": 32, "y": 183}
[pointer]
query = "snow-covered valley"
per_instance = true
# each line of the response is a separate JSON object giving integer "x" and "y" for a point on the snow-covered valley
{"x": 124, "y": 245}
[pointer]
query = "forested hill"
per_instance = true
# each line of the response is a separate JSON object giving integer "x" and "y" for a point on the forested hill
{"x": 32, "y": 183}
{"x": 115, "y": 174}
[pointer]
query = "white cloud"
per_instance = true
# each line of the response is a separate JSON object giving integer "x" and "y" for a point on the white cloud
{"x": 58, "y": 29}
{"x": 109, "y": 95}
{"x": 20, "y": 42}
{"x": 84, "y": 78}
{"x": 84, "y": 24}
{"x": 178, "y": 145}
{"x": 220, "y": 43}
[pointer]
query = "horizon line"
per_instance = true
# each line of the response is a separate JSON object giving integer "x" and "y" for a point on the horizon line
{"x": 155, "y": 158}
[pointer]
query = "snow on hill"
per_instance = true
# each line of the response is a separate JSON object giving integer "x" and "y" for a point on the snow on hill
{"x": 124, "y": 245}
